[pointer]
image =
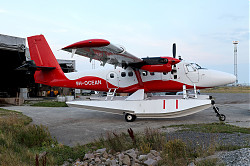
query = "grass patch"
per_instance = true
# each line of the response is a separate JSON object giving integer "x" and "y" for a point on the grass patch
{"x": 50, "y": 104}
{"x": 63, "y": 153}
{"x": 213, "y": 128}
{"x": 231, "y": 89}
{"x": 20, "y": 142}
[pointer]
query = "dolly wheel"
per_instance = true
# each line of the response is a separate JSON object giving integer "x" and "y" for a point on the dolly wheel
{"x": 222, "y": 117}
{"x": 130, "y": 117}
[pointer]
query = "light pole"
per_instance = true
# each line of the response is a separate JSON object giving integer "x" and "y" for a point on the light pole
{"x": 235, "y": 61}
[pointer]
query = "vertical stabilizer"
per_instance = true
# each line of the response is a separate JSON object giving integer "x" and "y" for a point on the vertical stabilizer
{"x": 43, "y": 57}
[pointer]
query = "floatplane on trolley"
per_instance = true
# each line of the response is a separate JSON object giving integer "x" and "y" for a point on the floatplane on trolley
{"x": 133, "y": 75}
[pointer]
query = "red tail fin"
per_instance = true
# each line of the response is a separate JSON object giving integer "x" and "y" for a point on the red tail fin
{"x": 41, "y": 53}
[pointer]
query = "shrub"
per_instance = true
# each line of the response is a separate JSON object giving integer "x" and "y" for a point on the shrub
{"x": 34, "y": 136}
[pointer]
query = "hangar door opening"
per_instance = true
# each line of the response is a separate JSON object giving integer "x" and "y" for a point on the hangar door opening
{"x": 12, "y": 54}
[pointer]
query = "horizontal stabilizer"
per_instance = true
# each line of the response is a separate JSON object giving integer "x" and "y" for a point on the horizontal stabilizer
{"x": 30, "y": 65}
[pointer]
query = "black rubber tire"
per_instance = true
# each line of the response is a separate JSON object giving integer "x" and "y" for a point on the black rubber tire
{"x": 222, "y": 117}
{"x": 134, "y": 117}
{"x": 129, "y": 117}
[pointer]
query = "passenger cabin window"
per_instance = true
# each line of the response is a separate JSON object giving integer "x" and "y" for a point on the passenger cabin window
{"x": 112, "y": 75}
{"x": 123, "y": 74}
{"x": 152, "y": 73}
{"x": 144, "y": 73}
{"x": 130, "y": 74}
{"x": 164, "y": 73}
{"x": 190, "y": 68}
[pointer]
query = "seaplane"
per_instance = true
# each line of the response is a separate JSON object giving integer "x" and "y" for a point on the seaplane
{"x": 139, "y": 77}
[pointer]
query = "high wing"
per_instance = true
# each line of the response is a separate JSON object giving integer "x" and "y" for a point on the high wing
{"x": 104, "y": 51}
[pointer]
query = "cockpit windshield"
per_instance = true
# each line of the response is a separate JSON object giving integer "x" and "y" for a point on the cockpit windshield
{"x": 195, "y": 65}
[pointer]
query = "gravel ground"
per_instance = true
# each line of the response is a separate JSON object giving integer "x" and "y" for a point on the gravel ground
{"x": 192, "y": 138}
{"x": 230, "y": 98}
{"x": 239, "y": 157}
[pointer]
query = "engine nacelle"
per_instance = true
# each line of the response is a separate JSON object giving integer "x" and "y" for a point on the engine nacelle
{"x": 158, "y": 68}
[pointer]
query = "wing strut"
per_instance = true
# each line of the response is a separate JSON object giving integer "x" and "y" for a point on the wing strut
{"x": 73, "y": 52}
{"x": 138, "y": 76}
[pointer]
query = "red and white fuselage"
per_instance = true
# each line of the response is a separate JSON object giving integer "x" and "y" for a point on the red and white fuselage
{"x": 125, "y": 80}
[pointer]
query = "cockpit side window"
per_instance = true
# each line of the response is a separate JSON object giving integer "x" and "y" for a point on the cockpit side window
{"x": 190, "y": 68}
{"x": 195, "y": 65}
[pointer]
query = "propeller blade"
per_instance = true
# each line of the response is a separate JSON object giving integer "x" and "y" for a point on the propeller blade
{"x": 174, "y": 50}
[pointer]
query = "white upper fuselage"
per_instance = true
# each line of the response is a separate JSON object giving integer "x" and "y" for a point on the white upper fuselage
{"x": 125, "y": 80}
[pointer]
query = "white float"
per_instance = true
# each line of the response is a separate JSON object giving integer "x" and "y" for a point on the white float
{"x": 139, "y": 105}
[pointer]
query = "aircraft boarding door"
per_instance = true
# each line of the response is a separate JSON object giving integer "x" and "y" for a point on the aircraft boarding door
{"x": 192, "y": 73}
{"x": 112, "y": 78}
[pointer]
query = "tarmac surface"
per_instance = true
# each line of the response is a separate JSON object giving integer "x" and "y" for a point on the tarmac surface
{"x": 72, "y": 125}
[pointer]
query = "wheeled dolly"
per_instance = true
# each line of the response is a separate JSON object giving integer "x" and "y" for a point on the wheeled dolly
{"x": 222, "y": 117}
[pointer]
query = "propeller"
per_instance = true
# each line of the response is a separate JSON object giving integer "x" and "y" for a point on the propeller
{"x": 174, "y": 50}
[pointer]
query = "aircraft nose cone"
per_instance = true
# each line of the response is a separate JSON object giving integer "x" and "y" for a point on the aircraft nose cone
{"x": 213, "y": 78}
{"x": 225, "y": 78}
{"x": 231, "y": 78}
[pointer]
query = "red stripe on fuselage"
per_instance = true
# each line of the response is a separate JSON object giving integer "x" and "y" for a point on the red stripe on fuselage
{"x": 99, "y": 84}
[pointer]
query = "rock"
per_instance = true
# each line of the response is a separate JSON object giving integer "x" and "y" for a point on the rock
{"x": 158, "y": 158}
{"x": 108, "y": 162}
{"x": 111, "y": 156}
{"x": 150, "y": 156}
{"x": 143, "y": 157}
{"x": 113, "y": 162}
{"x": 126, "y": 160}
{"x": 191, "y": 164}
{"x": 137, "y": 161}
{"x": 121, "y": 156}
{"x": 103, "y": 159}
{"x": 92, "y": 162}
{"x": 97, "y": 160}
{"x": 100, "y": 150}
{"x": 131, "y": 153}
{"x": 77, "y": 163}
{"x": 150, "y": 162}
{"x": 66, "y": 163}
{"x": 89, "y": 156}
{"x": 85, "y": 163}
{"x": 155, "y": 153}
{"x": 105, "y": 155}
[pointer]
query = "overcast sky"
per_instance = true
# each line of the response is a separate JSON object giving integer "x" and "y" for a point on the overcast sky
{"x": 203, "y": 29}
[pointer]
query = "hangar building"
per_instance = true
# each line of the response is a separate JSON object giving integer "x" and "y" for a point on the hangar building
{"x": 16, "y": 77}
